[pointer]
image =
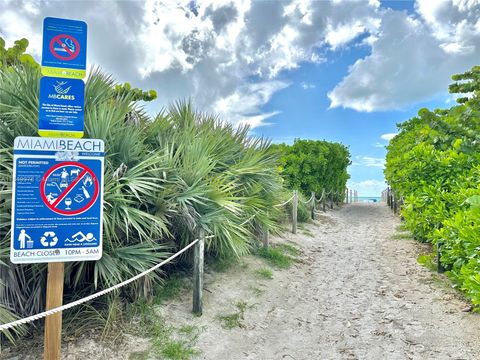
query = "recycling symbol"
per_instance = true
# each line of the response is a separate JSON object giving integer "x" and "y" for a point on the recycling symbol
{"x": 49, "y": 239}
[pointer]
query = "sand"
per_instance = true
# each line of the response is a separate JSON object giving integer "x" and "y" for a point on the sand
{"x": 357, "y": 293}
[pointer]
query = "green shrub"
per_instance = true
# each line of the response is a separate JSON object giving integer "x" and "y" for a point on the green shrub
{"x": 314, "y": 165}
{"x": 434, "y": 164}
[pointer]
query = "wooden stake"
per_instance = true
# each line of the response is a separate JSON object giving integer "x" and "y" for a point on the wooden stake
{"x": 198, "y": 261}
{"x": 294, "y": 211}
{"x": 324, "y": 201}
{"x": 313, "y": 205}
{"x": 53, "y": 323}
{"x": 346, "y": 196}
{"x": 265, "y": 238}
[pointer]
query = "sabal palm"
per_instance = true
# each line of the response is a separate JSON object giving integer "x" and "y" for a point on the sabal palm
{"x": 165, "y": 178}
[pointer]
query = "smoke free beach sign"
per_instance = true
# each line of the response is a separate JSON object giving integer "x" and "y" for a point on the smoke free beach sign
{"x": 64, "y": 48}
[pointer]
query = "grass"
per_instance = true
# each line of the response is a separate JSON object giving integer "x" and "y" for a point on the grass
{"x": 402, "y": 236}
{"x": 428, "y": 261}
{"x": 235, "y": 319}
{"x": 308, "y": 233}
{"x": 223, "y": 264}
{"x": 171, "y": 288}
{"x": 281, "y": 256}
{"x": 289, "y": 249}
{"x": 167, "y": 342}
{"x": 265, "y": 273}
{"x": 232, "y": 320}
{"x": 256, "y": 290}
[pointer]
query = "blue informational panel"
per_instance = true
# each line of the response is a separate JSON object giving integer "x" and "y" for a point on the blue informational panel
{"x": 57, "y": 200}
{"x": 61, "y": 107}
{"x": 64, "y": 48}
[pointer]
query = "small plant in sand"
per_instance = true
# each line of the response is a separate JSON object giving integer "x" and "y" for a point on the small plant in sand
{"x": 264, "y": 273}
{"x": 235, "y": 319}
{"x": 281, "y": 256}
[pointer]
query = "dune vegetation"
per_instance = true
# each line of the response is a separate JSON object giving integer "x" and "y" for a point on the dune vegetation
{"x": 434, "y": 165}
{"x": 165, "y": 178}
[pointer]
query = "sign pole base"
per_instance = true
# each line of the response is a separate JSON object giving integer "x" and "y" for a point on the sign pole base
{"x": 53, "y": 323}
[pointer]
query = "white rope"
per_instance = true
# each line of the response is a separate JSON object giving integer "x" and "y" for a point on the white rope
{"x": 41, "y": 315}
{"x": 309, "y": 200}
{"x": 285, "y": 203}
{"x": 321, "y": 197}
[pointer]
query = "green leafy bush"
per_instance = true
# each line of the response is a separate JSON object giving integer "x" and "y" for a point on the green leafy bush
{"x": 313, "y": 166}
{"x": 434, "y": 164}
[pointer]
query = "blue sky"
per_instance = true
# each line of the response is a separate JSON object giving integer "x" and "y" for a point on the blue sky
{"x": 341, "y": 70}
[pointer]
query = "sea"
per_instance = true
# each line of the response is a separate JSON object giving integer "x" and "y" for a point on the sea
{"x": 369, "y": 199}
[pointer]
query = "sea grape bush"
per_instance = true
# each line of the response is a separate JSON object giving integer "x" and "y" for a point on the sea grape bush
{"x": 314, "y": 165}
{"x": 434, "y": 164}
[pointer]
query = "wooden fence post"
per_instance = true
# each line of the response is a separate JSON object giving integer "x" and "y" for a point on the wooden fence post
{"x": 313, "y": 205}
{"x": 294, "y": 211}
{"x": 346, "y": 196}
{"x": 198, "y": 262}
{"x": 324, "y": 201}
{"x": 265, "y": 236}
{"x": 53, "y": 323}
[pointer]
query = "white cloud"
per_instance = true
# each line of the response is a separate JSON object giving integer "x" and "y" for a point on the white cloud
{"x": 243, "y": 106}
{"x": 205, "y": 50}
{"x": 412, "y": 56}
{"x": 388, "y": 136}
{"x": 209, "y": 50}
{"x": 307, "y": 86}
{"x": 379, "y": 145}
{"x": 368, "y": 161}
{"x": 370, "y": 187}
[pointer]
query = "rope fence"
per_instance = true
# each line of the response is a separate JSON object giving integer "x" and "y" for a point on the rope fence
{"x": 41, "y": 315}
{"x": 198, "y": 264}
{"x": 309, "y": 200}
{"x": 285, "y": 203}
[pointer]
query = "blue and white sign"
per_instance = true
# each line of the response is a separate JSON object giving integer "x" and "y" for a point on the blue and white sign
{"x": 61, "y": 111}
{"x": 64, "y": 48}
{"x": 57, "y": 200}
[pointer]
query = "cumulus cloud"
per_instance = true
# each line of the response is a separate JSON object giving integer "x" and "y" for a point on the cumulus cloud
{"x": 370, "y": 187}
{"x": 412, "y": 56}
{"x": 209, "y": 50}
{"x": 388, "y": 136}
{"x": 368, "y": 161}
{"x": 205, "y": 50}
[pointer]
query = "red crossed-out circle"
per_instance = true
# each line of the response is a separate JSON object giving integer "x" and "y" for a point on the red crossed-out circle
{"x": 71, "y": 54}
{"x": 84, "y": 171}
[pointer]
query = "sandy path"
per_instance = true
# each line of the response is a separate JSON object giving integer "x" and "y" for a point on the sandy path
{"x": 356, "y": 294}
{"x": 359, "y": 294}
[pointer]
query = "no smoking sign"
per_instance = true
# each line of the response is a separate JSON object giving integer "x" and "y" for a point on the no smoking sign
{"x": 64, "y": 51}
{"x": 64, "y": 47}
